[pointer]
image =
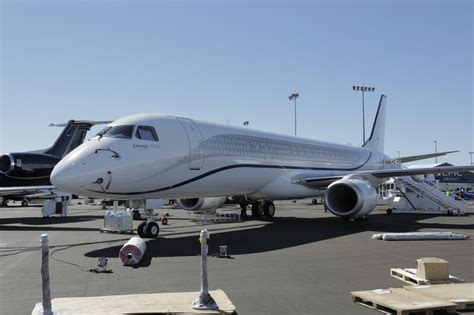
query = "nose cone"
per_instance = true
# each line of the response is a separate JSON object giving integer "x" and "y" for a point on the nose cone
{"x": 62, "y": 177}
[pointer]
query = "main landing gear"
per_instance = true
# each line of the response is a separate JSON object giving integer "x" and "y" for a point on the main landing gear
{"x": 264, "y": 209}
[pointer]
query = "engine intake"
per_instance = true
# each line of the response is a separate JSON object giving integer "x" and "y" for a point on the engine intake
{"x": 201, "y": 204}
{"x": 27, "y": 165}
{"x": 350, "y": 198}
{"x": 7, "y": 163}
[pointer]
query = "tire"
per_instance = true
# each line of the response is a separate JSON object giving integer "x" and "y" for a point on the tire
{"x": 268, "y": 209}
{"x": 389, "y": 211}
{"x": 141, "y": 230}
{"x": 256, "y": 209}
{"x": 152, "y": 230}
{"x": 314, "y": 201}
{"x": 243, "y": 206}
{"x": 5, "y": 203}
{"x": 24, "y": 203}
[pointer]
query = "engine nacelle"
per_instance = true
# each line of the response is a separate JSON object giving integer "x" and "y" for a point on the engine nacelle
{"x": 27, "y": 165}
{"x": 350, "y": 198}
{"x": 201, "y": 204}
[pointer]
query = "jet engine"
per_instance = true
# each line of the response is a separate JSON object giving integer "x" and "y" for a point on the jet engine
{"x": 201, "y": 204}
{"x": 350, "y": 198}
{"x": 27, "y": 165}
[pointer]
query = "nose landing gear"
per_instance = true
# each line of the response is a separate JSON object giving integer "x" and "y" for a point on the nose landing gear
{"x": 149, "y": 228}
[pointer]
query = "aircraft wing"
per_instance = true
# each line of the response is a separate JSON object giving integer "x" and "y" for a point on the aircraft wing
{"x": 417, "y": 171}
{"x": 25, "y": 190}
{"x": 321, "y": 182}
{"x": 406, "y": 159}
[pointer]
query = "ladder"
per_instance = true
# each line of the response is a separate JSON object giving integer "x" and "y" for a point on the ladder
{"x": 212, "y": 216}
{"x": 425, "y": 190}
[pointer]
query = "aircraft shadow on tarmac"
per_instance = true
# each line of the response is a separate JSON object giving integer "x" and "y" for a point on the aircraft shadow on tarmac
{"x": 282, "y": 233}
{"x": 44, "y": 224}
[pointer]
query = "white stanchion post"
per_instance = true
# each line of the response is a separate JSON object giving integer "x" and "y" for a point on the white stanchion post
{"x": 205, "y": 300}
{"x": 45, "y": 276}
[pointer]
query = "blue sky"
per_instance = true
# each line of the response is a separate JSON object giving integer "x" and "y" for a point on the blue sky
{"x": 239, "y": 60}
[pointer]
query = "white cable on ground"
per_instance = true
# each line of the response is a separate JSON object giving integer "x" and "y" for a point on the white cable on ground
{"x": 414, "y": 236}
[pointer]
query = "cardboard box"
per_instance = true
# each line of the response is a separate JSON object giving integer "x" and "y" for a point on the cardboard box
{"x": 432, "y": 268}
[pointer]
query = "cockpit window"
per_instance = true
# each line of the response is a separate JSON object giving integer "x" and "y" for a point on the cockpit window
{"x": 121, "y": 131}
{"x": 146, "y": 133}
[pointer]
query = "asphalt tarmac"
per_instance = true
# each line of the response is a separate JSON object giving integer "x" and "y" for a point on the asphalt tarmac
{"x": 305, "y": 261}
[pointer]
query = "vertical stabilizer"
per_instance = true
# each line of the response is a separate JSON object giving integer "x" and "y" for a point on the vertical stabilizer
{"x": 377, "y": 136}
{"x": 72, "y": 136}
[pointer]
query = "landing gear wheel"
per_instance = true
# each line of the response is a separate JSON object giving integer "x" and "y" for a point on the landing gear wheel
{"x": 152, "y": 230}
{"x": 5, "y": 203}
{"x": 314, "y": 201}
{"x": 141, "y": 230}
{"x": 24, "y": 203}
{"x": 389, "y": 211}
{"x": 256, "y": 209}
{"x": 269, "y": 209}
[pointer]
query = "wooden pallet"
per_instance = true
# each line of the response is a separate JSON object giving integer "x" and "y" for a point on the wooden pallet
{"x": 462, "y": 294}
{"x": 104, "y": 230}
{"x": 408, "y": 275}
{"x": 401, "y": 302}
{"x": 154, "y": 303}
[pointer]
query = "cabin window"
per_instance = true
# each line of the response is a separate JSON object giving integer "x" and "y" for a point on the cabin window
{"x": 120, "y": 131}
{"x": 146, "y": 133}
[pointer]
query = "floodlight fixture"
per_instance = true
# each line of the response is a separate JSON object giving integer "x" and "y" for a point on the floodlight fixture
{"x": 363, "y": 89}
{"x": 293, "y": 97}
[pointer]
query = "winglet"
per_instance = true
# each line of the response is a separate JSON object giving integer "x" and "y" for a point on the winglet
{"x": 377, "y": 136}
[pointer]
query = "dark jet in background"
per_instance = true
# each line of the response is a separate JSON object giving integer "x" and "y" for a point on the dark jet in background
{"x": 25, "y": 175}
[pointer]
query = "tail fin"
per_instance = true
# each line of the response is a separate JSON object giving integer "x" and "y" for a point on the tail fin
{"x": 377, "y": 136}
{"x": 72, "y": 136}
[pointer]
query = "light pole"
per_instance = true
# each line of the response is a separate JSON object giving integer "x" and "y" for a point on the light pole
{"x": 293, "y": 97}
{"x": 471, "y": 153}
{"x": 363, "y": 89}
{"x": 436, "y": 150}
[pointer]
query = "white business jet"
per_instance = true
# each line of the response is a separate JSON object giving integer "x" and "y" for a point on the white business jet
{"x": 200, "y": 163}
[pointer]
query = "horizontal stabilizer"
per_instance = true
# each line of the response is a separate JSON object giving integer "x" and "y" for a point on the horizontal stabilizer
{"x": 83, "y": 122}
{"x": 412, "y": 158}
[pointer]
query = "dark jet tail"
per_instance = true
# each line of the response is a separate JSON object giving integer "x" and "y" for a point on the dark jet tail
{"x": 72, "y": 136}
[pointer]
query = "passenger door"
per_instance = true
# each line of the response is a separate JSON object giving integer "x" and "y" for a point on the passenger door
{"x": 194, "y": 139}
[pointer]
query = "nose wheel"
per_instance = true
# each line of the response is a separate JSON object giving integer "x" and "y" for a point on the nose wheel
{"x": 148, "y": 229}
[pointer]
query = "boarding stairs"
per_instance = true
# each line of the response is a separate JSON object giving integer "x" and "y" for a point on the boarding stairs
{"x": 443, "y": 198}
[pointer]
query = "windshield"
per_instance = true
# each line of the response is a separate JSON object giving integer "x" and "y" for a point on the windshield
{"x": 124, "y": 131}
